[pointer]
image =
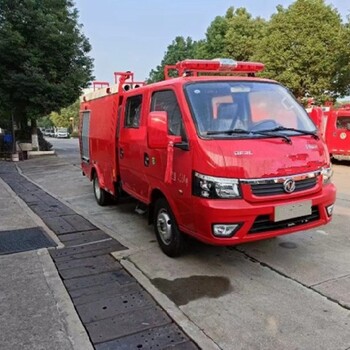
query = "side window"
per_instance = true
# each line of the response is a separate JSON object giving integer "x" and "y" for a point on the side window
{"x": 133, "y": 111}
{"x": 166, "y": 101}
{"x": 343, "y": 123}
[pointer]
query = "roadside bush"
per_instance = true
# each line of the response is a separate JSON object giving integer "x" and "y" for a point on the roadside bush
{"x": 43, "y": 144}
{"x": 74, "y": 134}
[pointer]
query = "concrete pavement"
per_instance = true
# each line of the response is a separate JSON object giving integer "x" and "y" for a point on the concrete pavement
{"x": 35, "y": 310}
{"x": 286, "y": 293}
{"x": 38, "y": 311}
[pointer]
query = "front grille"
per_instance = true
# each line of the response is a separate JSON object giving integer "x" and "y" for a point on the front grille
{"x": 270, "y": 189}
{"x": 263, "y": 223}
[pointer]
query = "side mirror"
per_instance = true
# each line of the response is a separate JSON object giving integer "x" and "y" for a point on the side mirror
{"x": 157, "y": 131}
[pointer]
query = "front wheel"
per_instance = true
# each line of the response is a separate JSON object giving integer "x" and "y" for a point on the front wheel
{"x": 170, "y": 239}
{"x": 102, "y": 197}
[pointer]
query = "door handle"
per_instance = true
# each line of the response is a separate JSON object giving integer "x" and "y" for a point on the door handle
{"x": 146, "y": 160}
{"x": 121, "y": 153}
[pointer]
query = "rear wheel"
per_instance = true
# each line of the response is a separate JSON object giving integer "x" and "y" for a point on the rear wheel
{"x": 102, "y": 197}
{"x": 170, "y": 239}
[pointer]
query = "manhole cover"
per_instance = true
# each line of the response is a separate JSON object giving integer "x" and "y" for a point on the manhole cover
{"x": 15, "y": 241}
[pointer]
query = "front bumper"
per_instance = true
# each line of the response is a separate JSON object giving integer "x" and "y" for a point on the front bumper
{"x": 256, "y": 220}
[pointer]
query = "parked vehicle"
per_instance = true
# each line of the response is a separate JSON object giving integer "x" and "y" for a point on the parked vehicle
{"x": 61, "y": 133}
{"x": 334, "y": 125}
{"x": 50, "y": 132}
{"x": 216, "y": 154}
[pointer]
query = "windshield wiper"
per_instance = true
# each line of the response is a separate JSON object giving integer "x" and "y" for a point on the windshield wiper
{"x": 304, "y": 132}
{"x": 247, "y": 132}
{"x": 228, "y": 132}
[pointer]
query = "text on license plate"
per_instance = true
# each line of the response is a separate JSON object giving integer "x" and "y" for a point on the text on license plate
{"x": 290, "y": 211}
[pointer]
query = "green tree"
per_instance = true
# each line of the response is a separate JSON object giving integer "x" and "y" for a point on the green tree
{"x": 306, "y": 47}
{"x": 44, "y": 62}
{"x": 67, "y": 117}
{"x": 234, "y": 35}
{"x": 178, "y": 50}
{"x": 243, "y": 34}
{"x": 215, "y": 43}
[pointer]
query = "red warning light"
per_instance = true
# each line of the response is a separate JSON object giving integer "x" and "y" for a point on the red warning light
{"x": 218, "y": 65}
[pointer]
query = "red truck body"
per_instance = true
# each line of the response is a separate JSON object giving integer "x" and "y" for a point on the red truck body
{"x": 334, "y": 125}
{"x": 225, "y": 159}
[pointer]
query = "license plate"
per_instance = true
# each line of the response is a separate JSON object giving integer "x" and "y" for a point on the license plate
{"x": 290, "y": 211}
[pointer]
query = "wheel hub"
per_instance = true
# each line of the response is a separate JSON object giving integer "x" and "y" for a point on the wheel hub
{"x": 97, "y": 189}
{"x": 164, "y": 226}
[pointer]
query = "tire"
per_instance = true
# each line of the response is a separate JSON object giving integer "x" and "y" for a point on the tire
{"x": 169, "y": 237}
{"x": 102, "y": 197}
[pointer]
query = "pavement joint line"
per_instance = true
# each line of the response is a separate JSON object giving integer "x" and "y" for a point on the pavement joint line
{"x": 95, "y": 222}
{"x": 346, "y": 307}
{"x": 77, "y": 334}
{"x": 196, "y": 334}
{"x": 89, "y": 243}
{"x": 37, "y": 219}
{"x": 70, "y": 301}
{"x": 126, "y": 253}
{"x": 329, "y": 280}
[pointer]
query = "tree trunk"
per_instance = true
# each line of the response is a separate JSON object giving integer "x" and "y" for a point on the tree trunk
{"x": 35, "y": 141}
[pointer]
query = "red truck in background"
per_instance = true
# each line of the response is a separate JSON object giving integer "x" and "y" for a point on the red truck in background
{"x": 214, "y": 153}
{"x": 334, "y": 125}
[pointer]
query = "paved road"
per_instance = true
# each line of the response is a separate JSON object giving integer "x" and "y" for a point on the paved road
{"x": 67, "y": 149}
{"x": 290, "y": 292}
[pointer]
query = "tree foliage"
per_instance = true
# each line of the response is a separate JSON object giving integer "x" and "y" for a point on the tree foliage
{"x": 178, "y": 50}
{"x": 215, "y": 44}
{"x": 243, "y": 34}
{"x": 305, "y": 46}
{"x": 67, "y": 117}
{"x": 44, "y": 62}
{"x": 234, "y": 35}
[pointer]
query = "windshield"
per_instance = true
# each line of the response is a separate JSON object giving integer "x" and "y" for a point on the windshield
{"x": 246, "y": 109}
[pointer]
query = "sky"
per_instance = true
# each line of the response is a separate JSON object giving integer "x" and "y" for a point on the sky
{"x": 134, "y": 34}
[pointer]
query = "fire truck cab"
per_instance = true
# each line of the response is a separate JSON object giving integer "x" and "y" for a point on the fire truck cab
{"x": 215, "y": 153}
{"x": 334, "y": 126}
{"x": 337, "y": 133}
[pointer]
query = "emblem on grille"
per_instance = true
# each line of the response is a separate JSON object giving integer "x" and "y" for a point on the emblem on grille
{"x": 289, "y": 185}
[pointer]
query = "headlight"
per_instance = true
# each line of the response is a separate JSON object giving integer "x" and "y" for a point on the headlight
{"x": 327, "y": 174}
{"x": 215, "y": 187}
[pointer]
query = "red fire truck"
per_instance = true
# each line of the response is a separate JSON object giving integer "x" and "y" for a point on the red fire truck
{"x": 334, "y": 125}
{"x": 214, "y": 153}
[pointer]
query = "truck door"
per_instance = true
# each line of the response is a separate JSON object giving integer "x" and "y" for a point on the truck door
{"x": 132, "y": 136}
{"x": 338, "y": 133}
{"x": 179, "y": 190}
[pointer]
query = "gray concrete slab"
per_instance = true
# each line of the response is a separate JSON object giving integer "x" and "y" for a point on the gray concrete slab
{"x": 337, "y": 289}
{"x": 285, "y": 292}
{"x": 264, "y": 310}
{"x": 35, "y": 309}
{"x": 310, "y": 257}
{"x": 12, "y": 216}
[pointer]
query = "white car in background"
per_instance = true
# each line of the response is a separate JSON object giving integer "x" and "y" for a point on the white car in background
{"x": 62, "y": 133}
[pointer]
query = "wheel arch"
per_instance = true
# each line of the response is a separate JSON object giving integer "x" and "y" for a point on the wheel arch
{"x": 155, "y": 195}
{"x": 96, "y": 171}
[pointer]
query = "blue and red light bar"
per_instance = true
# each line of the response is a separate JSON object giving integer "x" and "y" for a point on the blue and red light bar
{"x": 218, "y": 65}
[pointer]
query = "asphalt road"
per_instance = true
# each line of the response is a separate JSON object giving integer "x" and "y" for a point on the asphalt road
{"x": 291, "y": 292}
{"x": 67, "y": 149}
